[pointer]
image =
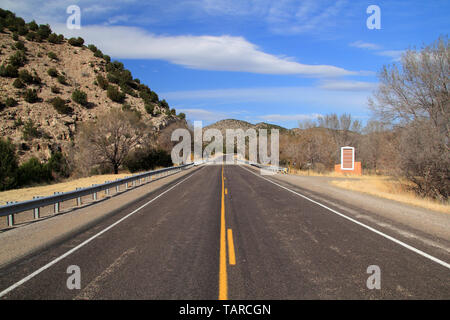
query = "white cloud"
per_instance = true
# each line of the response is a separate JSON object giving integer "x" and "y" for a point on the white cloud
{"x": 365, "y": 45}
{"x": 219, "y": 53}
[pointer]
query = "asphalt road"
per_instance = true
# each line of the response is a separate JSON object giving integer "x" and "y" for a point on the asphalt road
{"x": 223, "y": 232}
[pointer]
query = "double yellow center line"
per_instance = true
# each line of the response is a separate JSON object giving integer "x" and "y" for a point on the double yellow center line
{"x": 223, "y": 278}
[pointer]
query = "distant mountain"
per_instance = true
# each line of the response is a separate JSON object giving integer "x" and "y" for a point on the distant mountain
{"x": 222, "y": 125}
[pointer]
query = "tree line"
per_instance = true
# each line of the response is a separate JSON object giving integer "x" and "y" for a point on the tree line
{"x": 408, "y": 134}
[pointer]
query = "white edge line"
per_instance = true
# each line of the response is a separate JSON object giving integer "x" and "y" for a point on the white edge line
{"x": 407, "y": 246}
{"x": 51, "y": 263}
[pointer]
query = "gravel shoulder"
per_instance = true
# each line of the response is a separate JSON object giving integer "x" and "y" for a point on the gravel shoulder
{"x": 31, "y": 237}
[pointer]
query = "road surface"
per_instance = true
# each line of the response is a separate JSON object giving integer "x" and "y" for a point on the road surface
{"x": 225, "y": 232}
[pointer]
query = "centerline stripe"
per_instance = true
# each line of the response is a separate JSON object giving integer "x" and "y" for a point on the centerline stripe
{"x": 223, "y": 281}
{"x": 231, "y": 252}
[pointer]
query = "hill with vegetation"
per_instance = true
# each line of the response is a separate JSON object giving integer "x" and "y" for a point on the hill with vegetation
{"x": 222, "y": 125}
{"x": 50, "y": 85}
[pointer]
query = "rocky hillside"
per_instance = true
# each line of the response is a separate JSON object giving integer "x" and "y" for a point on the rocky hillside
{"x": 49, "y": 84}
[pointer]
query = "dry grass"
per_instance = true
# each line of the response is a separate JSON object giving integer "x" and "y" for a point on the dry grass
{"x": 390, "y": 188}
{"x": 333, "y": 174}
{"x": 47, "y": 190}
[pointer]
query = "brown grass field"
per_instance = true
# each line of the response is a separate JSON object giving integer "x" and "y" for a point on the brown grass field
{"x": 391, "y": 188}
{"x": 381, "y": 186}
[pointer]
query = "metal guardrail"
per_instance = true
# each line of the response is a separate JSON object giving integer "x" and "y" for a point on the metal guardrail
{"x": 265, "y": 167}
{"x": 38, "y": 202}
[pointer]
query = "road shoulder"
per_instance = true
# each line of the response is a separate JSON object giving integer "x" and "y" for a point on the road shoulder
{"x": 417, "y": 224}
{"x": 27, "y": 239}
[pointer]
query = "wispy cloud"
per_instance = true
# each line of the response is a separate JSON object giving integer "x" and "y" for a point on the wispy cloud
{"x": 288, "y": 117}
{"x": 394, "y": 54}
{"x": 54, "y": 11}
{"x": 218, "y": 53}
{"x": 210, "y": 116}
{"x": 347, "y": 85}
{"x": 308, "y": 96}
{"x": 378, "y": 50}
{"x": 118, "y": 18}
{"x": 199, "y": 114}
{"x": 292, "y": 16}
{"x": 365, "y": 45}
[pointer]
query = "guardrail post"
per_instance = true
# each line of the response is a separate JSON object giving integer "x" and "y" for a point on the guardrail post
{"x": 107, "y": 189}
{"x": 94, "y": 195}
{"x": 56, "y": 206}
{"x": 117, "y": 187}
{"x": 10, "y": 218}
{"x": 78, "y": 199}
{"x": 36, "y": 211}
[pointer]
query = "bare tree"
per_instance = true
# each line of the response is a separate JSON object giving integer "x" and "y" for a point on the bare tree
{"x": 312, "y": 148}
{"x": 340, "y": 127}
{"x": 109, "y": 139}
{"x": 414, "y": 98}
{"x": 416, "y": 90}
{"x": 343, "y": 130}
{"x": 377, "y": 148}
{"x": 306, "y": 124}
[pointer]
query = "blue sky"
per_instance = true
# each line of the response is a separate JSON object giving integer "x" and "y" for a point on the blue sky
{"x": 274, "y": 61}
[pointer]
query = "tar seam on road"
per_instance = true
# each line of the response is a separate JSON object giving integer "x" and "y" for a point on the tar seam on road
{"x": 93, "y": 287}
{"x": 223, "y": 282}
{"x": 231, "y": 253}
{"x": 51, "y": 263}
{"x": 407, "y": 246}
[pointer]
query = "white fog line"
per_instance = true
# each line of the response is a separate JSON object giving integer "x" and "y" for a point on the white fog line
{"x": 51, "y": 263}
{"x": 407, "y": 246}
